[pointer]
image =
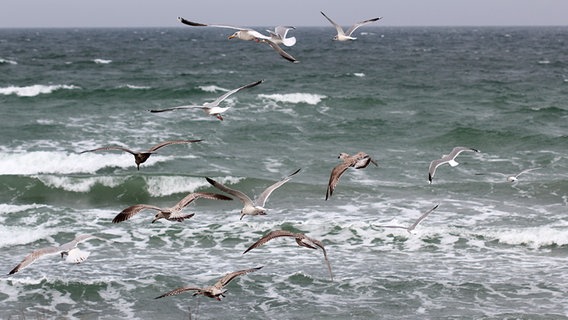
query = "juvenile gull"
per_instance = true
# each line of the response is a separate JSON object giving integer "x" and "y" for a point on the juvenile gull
{"x": 69, "y": 249}
{"x": 358, "y": 161}
{"x": 246, "y": 34}
{"x": 212, "y": 108}
{"x": 411, "y": 227}
{"x": 449, "y": 159}
{"x": 345, "y": 36}
{"x": 255, "y": 207}
{"x": 215, "y": 291}
{"x": 301, "y": 239}
{"x": 171, "y": 214}
{"x": 142, "y": 156}
{"x": 278, "y": 36}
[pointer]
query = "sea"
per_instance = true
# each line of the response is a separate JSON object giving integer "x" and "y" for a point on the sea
{"x": 403, "y": 95}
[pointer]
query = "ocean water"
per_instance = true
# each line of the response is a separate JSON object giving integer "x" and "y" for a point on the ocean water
{"x": 405, "y": 96}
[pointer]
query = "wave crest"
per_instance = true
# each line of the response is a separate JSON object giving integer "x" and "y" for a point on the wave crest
{"x": 308, "y": 98}
{"x": 34, "y": 90}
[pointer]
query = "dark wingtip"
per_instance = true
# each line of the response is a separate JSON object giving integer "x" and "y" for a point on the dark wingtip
{"x": 211, "y": 181}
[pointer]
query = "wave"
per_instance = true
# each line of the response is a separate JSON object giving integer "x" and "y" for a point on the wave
{"x": 7, "y": 61}
{"x": 34, "y": 90}
{"x": 102, "y": 61}
{"x": 38, "y": 162}
{"x": 308, "y": 98}
{"x": 212, "y": 88}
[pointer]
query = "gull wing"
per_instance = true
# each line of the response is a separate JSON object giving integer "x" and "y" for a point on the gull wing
{"x": 133, "y": 210}
{"x": 422, "y": 217}
{"x": 457, "y": 150}
{"x": 230, "y": 276}
{"x": 73, "y": 243}
{"x": 196, "y": 195}
{"x": 433, "y": 166}
{"x": 337, "y": 27}
{"x": 270, "y": 236}
{"x": 112, "y": 148}
{"x": 320, "y": 244}
{"x": 261, "y": 199}
{"x": 167, "y": 143}
{"x": 525, "y": 171}
{"x": 281, "y": 52}
{"x": 32, "y": 257}
{"x": 178, "y": 291}
{"x": 334, "y": 177}
{"x": 197, "y": 24}
{"x": 226, "y": 95}
{"x": 360, "y": 23}
{"x": 243, "y": 197}
{"x": 173, "y": 108}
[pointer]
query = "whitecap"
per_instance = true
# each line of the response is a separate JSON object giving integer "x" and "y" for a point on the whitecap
{"x": 135, "y": 87}
{"x": 168, "y": 185}
{"x": 34, "y": 90}
{"x": 7, "y": 61}
{"x": 35, "y": 162}
{"x": 12, "y": 208}
{"x": 102, "y": 61}
{"x": 212, "y": 88}
{"x": 308, "y": 98}
{"x": 535, "y": 237}
{"x": 75, "y": 184}
{"x": 359, "y": 74}
{"x": 10, "y": 235}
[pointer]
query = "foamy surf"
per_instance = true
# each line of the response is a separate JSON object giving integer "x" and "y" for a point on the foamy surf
{"x": 56, "y": 162}
{"x": 34, "y": 90}
{"x": 295, "y": 98}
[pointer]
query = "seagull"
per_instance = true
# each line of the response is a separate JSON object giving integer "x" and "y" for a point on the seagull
{"x": 278, "y": 36}
{"x": 212, "y": 108}
{"x": 171, "y": 214}
{"x": 344, "y": 36}
{"x": 245, "y": 34}
{"x": 215, "y": 291}
{"x": 514, "y": 178}
{"x": 359, "y": 161}
{"x": 422, "y": 217}
{"x": 255, "y": 207}
{"x": 301, "y": 239}
{"x": 142, "y": 156}
{"x": 69, "y": 249}
{"x": 449, "y": 159}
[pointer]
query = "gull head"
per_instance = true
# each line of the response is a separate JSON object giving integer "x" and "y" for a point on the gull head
{"x": 512, "y": 179}
{"x": 234, "y": 35}
{"x": 160, "y": 215}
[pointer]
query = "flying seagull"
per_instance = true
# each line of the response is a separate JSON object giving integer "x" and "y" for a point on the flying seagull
{"x": 142, "y": 156}
{"x": 449, "y": 159}
{"x": 215, "y": 291}
{"x": 301, "y": 239}
{"x": 171, "y": 214}
{"x": 278, "y": 36}
{"x": 255, "y": 207}
{"x": 245, "y": 34}
{"x": 344, "y": 36}
{"x": 411, "y": 227}
{"x": 514, "y": 178}
{"x": 212, "y": 108}
{"x": 68, "y": 250}
{"x": 358, "y": 161}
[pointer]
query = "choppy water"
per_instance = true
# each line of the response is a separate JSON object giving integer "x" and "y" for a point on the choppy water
{"x": 404, "y": 95}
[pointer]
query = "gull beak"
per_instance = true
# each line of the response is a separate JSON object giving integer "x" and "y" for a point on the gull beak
{"x": 232, "y": 36}
{"x": 154, "y": 220}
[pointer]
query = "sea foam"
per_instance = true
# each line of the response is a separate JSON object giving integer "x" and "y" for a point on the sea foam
{"x": 36, "y": 162}
{"x": 308, "y": 98}
{"x": 212, "y": 88}
{"x": 34, "y": 90}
